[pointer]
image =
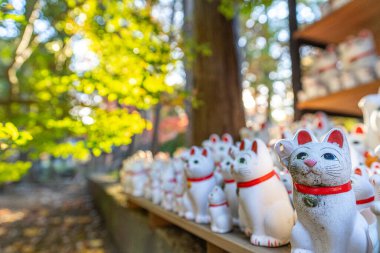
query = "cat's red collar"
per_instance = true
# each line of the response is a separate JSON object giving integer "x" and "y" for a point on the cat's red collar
{"x": 221, "y": 204}
{"x": 199, "y": 179}
{"x": 229, "y": 181}
{"x": 324, "y": 190}
{"x": 365, "y": 201}
{"x": 256, "y": 180}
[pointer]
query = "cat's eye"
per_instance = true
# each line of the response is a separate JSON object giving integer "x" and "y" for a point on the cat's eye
{"x": 196, "y": 161}
{"x": 329, "y": 156}
{"x": 242, "y": 160}
{"x": 302, "y": 156}
{"x": 356, "y": 142}
{"x": 221, "y": 148}
{"x": 228, "y": 163}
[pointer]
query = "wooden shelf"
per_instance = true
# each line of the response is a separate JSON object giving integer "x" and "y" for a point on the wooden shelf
{"x": 235, "y": 242}
{"x": 344, "y": 102}
{"x": 348, "y": 20}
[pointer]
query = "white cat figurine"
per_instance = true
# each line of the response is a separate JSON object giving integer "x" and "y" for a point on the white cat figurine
{"x": 263, "y": 199}
{"x": 230, "y": 188}
{"x": 221, "y": 219}
{"x": 200, "y": 181}
{"x": 168, "y": 183}
{"x": 364, "y": 191}
{"x": 328, "y": 220}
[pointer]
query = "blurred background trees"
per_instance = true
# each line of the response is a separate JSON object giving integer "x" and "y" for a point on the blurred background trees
{"x": 89, "y": 81}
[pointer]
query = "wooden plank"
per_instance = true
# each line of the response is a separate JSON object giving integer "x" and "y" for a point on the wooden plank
{"x": 212, "y": 248}
{"x": 235, "y": 242}
{"x": 344, "y": 102}
{"x": 341, "y": 23}
{"x": 156, "y": 221}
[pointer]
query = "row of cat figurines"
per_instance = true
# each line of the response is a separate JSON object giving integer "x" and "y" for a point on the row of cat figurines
{"x": 333, "y": 207}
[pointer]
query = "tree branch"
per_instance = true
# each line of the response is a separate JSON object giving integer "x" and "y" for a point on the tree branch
{"x": 23, "y": 51}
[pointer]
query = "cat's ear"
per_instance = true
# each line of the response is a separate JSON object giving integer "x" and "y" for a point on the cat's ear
{"x": 232, "y": 151}
{"x": 227, "y": 138}
{"x": 336, "y": 136}
{"x": 214, "y": 138}
{"x": 304, "y": 136}
{"x": 284, "y": 149}
{"x": 193, "y": 150}
{"x": 254, "y": 147}
{"x": 204, "y": 152}
{"x": 242, "y": 145}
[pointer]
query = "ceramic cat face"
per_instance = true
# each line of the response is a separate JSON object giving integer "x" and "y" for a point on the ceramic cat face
{"x": 200, "y": 163}
{"x": 314, "y": 163}
{"x": 357, "y": 139}
{"x": 216, "y": 196}
{"x": 225, "y": 167}
{"x": 212, "y": 140}
{"x": 361, "y": 184}
{"x": 252, "y": 161}
{"x": 220, "y": 149}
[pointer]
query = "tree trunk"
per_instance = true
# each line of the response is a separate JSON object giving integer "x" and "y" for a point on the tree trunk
{"x": 216, "y": 76}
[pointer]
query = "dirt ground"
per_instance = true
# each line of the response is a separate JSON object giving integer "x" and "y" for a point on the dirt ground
{"x": 55, "y": 218}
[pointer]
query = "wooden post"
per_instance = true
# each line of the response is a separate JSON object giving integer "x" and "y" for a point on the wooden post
{"x": 294, "y": 47}
{"x": 156, "y": 221}
{"x": 212, "y": 248}
{"x": 216, "y": 75}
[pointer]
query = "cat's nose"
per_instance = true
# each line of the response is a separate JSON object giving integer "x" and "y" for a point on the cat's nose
{"x": 310, "y": 162}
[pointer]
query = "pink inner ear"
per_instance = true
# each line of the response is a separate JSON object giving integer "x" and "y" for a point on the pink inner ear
{"x": 192, "y": 151}
{"x": 242, "y": 145}
{"x": 204, "y": 152}
{"x": 336, "y": 137}
{"x": 359, "y": 130}
{"x": 358, "y": 172}
{"x": 303, "y": 138}
{"x": 254, "y": 147}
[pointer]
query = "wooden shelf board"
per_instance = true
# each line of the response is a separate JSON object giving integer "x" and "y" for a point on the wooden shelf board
{"x": 235, "y": 242}
{"x": 344, "y": 102}
{"x": 341, "y": 23}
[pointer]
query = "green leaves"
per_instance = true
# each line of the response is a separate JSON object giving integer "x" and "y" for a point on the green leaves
{"x": 83, "y": 111}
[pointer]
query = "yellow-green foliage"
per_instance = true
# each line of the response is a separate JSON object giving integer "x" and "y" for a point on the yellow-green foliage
{"x": 10, "y": 139}
{"x": 10, "y": 172}
{"x": 134, "y": 57}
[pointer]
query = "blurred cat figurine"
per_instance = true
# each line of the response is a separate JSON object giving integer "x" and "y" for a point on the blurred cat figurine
{"x": 221, "y": 219}
{"x": 327, "y": 70}
{"x": 168, "y": 184}
{"x": 323, "y": 196}
{"x": 286, "y": 179}
{"x": 200, "y": 181}
{"x": 263, "y": 199}
{"x": 370, "y": 105}
{"x": 178, "y": 206}
{"x": 364, "y": 192}
{"x": 230, "y": 187}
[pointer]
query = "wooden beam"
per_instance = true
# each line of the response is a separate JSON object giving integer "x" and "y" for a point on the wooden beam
{"x": 212, "y": 248}
{"x": 234, "y": 242}
{"x": 156, "y": 221}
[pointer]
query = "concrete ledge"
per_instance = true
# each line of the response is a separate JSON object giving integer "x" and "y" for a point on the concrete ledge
{"x": 138, "y": 225}
{"x": 132, "y": 229}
